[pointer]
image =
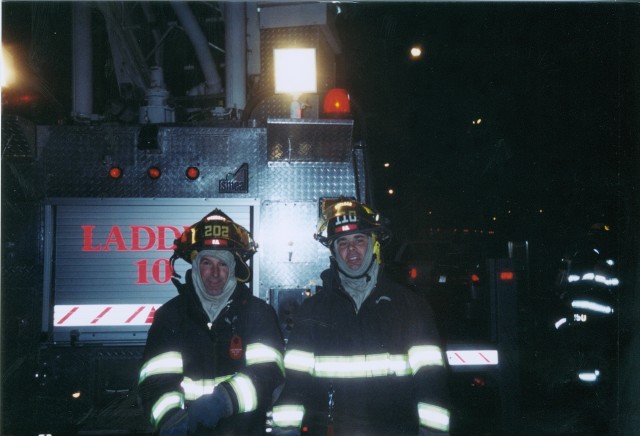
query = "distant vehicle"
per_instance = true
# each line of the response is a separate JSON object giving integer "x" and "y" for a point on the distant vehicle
{"x": 414, "y": 263}
{"x": 452, "y": 275}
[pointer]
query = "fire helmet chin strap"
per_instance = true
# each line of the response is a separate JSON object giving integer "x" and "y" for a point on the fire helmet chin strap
{"x": 359, "y": 276}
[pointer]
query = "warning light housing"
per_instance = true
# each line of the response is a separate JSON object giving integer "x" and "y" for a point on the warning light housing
{"x": 154, "y": 173}
{"x": 337, "y": 103}
{"x": 115, "y": 172}
{"x": 192, "y": 173}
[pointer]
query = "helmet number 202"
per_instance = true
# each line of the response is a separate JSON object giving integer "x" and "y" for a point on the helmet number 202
{"x": 217, "y": 231}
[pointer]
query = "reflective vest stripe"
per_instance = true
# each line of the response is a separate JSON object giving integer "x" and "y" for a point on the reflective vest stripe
{"x": 167, "y": 402}
{"x": 364, "y": 366}
{"x": 260, "y": 353}
{"x": 299, "y": 361}
{"x": 433, "y": 416}
{"x": 245, "y": 392}
{"x": 165, "y": 363}
{"x": 425, "y": 355}
{"x": 288, "y": 416}
{"x": 194, "y": 389}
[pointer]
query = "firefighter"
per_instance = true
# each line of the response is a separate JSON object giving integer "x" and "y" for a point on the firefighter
{"x": 213, "y": 357}
{"x": 363, "y": 357}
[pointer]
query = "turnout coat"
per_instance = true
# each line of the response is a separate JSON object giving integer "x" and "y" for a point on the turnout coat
{"x": 376, "y": 371}
{"x": 187, "y": 356}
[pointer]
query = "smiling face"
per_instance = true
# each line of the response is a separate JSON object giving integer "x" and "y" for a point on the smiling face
{"x": 352, "y": 249}
{"x": 214, "y": 273}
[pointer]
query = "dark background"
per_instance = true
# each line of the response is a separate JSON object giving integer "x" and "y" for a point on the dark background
{"x": 556, "y": 85}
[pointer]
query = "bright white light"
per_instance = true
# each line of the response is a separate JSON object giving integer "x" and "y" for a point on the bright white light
{"x": 7, "y": 70}
{"x": 560, "y": 322}
{"x": 391, "y": 191}
{"x": 610, "y": 262}
{"x": 592, "y": 306}
{"x": 295, "y": 71}
{"x": 589, "y": 376}
{"x": 416, "y": 52}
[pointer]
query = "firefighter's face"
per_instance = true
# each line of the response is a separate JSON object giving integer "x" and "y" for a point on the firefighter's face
{"x": 214, "y": 273}
{"x": 352, "y": 249}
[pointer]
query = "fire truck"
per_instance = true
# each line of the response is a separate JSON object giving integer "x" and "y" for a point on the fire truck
{"x": 91, "y": 205}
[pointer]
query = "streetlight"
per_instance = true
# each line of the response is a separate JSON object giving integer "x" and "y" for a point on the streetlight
{"x": 295, "y": 74}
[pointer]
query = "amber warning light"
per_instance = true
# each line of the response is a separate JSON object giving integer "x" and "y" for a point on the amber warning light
{"x": 337, "y": 103}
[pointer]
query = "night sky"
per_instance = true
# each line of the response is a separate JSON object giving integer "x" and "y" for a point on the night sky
{"x": 555, "y": 85}
{"x": 552, "y": 84}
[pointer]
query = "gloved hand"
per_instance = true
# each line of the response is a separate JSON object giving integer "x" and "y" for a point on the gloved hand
{"x": 176, "y": 425}
{"x": 207, "y": 410}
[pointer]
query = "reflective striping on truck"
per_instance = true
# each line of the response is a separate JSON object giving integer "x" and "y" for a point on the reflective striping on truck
{"x": 104, "y": 315}
{"x": 472, "y": 357}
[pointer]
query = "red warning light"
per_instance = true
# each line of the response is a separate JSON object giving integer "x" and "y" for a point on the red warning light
{"x": 192, "y": 173}
{"x": 115, "y": 172}
{"x": 336, "y": 102}
{"x": 475, "y": 278}
{"x": 506, "y": 275}
{"x": 154, "y": 173}
{"x": 413, "y": 273}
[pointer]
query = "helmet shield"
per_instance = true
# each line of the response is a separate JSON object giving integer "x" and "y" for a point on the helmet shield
{"x": 347, "y": 217}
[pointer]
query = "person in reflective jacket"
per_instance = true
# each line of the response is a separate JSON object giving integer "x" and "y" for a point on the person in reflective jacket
{"x": 364, "y": 355}
{"x": 214, "y": 353}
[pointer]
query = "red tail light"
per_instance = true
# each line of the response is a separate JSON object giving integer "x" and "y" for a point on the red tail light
{"x": 115, "y": 172}
{"x": 506, "y": 275}
{"x": 154, "y": 172}
{"x": 413, "y": 273}
{"x": 192, "y": 173}
{"x": 475, "y": 278}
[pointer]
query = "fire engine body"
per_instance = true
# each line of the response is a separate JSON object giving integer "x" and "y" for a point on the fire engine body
{"x": 91, "y": 211}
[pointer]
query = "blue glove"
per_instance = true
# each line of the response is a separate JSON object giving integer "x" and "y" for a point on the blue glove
{"x": 176, "y": 425}
{"x": 207, "y": 410}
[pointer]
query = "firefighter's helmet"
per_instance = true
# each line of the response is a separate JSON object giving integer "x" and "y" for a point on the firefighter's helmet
{"x": 346, "y": 217}
{"x": 216, "y": 231}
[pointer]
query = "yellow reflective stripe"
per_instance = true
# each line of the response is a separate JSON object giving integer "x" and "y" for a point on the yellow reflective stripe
{"x": 299, "y": 361}
{"x": 433, "y": 416}
{"x": 167, "y": 402}
{"x": 288, "y": 415}
{"x": 194, "y": 389}
{"x": 425, "y": 355}
{"x": 399, "y": 364}
{"x": 260, "y": 353}
{"x": 165, "y": 363}
{"x": 245, "y": 392}
{"x": 370, "y": 365}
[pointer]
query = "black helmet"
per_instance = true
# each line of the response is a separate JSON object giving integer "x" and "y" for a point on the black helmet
{"x": 346, "y": 217}
{"x": 216, "y": 231}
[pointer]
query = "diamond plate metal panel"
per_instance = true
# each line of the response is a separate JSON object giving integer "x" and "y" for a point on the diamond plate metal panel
{"x": 291, "y": 257}
{"x": 302, "y": 140}
{"x": 302, "y": 182}
{"x": 18, "y": 137}
{"x": 76, "y": 161}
